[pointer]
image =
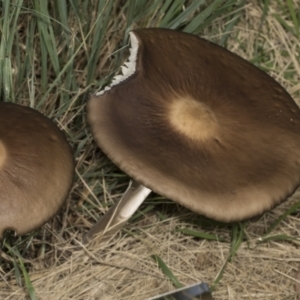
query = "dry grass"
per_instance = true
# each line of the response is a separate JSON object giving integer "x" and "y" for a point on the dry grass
{"x": 61, "y": 268}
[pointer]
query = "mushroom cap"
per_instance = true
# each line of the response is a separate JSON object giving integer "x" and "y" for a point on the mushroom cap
{"x": 36, "y": 169}
{"x": 199, "y": 125}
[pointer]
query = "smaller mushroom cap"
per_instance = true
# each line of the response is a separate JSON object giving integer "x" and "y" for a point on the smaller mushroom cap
{"x": 36, "y": 169}
{"x": 196, "y": 123}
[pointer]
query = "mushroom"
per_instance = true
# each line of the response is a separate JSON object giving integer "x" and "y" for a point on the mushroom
{"x": 36, "y": 169}
{"x": 199, "y": 125}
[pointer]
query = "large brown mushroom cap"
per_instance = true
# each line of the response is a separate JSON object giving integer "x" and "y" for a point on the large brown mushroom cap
{"x": 36, "y": 168}
{"x": 201, "y": 126}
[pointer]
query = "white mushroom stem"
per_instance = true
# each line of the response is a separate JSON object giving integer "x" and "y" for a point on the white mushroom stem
{"x": 117, "y": 215}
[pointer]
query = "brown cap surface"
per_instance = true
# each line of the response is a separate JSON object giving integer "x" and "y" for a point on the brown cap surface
{"x": 36, "y": 168}
{"x": 201, "y": 126}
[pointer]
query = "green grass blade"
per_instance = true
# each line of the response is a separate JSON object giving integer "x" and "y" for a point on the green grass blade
{"x": 182, "y": 17}
{"x": 232, "y": 21}
{"x": 47, "y": 38}
{"x": 63, "y": 12}
{"x": 58, "y": 77}
{"x": 278, "y": 237}
{"x": 28, "y": 283}
{"x": 9, "y": 25}
{"x": 20, "y": 270}
{"x": 199, "y": 19}
{"x": 165, "y": 7}
{"x": 18, "y": 273}
{"x": 293, "y": 16}
{"x": 166, "y": 271}
{"x": 264, "y": 14}
{"x": 170, "y": 11}
{"x": 76, "y": 9}
{"x": 289, "y": 211}
{"x": 25, "y": 65}
{"x": 202, "y": 235}
{"x": 284, "y": 23}
{"x": 225, "y": 9}
{"x": 220, "y": 274}
{"x": 62, "y": 8}
{"x": 7, "y": 79}
{"x": 237, "y": 237}
{"x": 104, "y": 12}
{"x": 4, "y": 24}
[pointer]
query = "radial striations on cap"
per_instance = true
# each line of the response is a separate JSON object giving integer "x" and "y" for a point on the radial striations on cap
{"x": 200, "y": 125}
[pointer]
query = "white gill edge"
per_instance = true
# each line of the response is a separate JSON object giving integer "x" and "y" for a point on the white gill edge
{"x": 128, "y": 68}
